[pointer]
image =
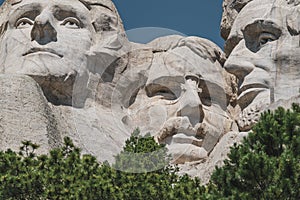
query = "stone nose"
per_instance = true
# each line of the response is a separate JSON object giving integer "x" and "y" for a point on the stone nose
{"x": 43, "y": 31}
{"x": 191, "y": 107}
{"x": 239, "y": 65}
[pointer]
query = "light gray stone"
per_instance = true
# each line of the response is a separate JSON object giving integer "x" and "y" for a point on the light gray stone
{"x": 203, "y": 169}
{"x": 41, "y": 42}
{"x": 25, "y": 115}
{"x": 181, "y": 96}
{"x": 266, "y": 58}
{"x": 69, "y": 48}
{"x": 231, "y": 8}
{"x": 72, "y": 72}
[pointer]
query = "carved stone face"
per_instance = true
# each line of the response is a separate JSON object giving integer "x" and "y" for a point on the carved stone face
{"x": 266, "y": 60}
{"x": 183, "y": 103}
{"x": 46, "y": 37}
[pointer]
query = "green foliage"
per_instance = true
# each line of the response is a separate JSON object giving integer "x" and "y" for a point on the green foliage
{"x": 63, "y": 174}
{"x": 267, "y": 164}
{"x": 141, "y": 154}
{"x": 66, "y": 174}
{"x": 144, "y": 172}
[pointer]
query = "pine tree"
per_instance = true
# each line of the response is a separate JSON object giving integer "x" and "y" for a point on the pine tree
{"x": 144, "y": 172}
{"x": 66, "y": 174}
{"x": 267, "y": 164}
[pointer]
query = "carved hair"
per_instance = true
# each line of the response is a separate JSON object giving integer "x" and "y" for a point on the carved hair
{"x": 110, "y": 21}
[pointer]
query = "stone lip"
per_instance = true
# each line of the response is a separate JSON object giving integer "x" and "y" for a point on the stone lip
{"x": 182, "y": 138}
{"x": 38, "y": 50}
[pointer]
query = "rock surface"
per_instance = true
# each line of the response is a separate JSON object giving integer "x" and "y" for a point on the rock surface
{"x": 231, "y": 8}
{"x": 74, "y": 73}
{"x": 266, "y": 59}
{"x": 26, "y": 115}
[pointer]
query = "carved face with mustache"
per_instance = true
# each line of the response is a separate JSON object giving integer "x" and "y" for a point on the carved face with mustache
{"x": 183, "y": 101}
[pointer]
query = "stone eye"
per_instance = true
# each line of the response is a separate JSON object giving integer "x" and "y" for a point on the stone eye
{"x": 71, "y": 22}
{"x": 160, "y": 90}
{"x": 24, "y": 23}
{"x": 264, "y": 38}
{"x": 260, "y": 33}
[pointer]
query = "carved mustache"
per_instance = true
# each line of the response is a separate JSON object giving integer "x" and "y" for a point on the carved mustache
{"x": 181, "y": 125}
{"x": 36, "y": 49}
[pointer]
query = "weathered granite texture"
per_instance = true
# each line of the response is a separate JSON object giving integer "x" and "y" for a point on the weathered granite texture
{"x": 42, "y": 41}
{"x": 68, "y": 48}
{"x": 231, "y": 8}
{"x": 265, "y": 58}
{"x": 181, "y": 96}
{"x": 26, "y": 115}
{"x": 67, "y": 69}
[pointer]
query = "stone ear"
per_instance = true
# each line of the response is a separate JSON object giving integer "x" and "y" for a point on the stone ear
{"x": 104, "y": 16}
{"x": 105, "y": 22}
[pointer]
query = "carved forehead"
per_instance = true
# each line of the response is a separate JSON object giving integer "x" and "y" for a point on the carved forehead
{"x": 72, "y": 6}
{"x": 275, "y": 11}
{"x": 191, "y": 56}
{"x": 232, "y": 8}
{"x": 100, "y": 10}
{"x": 88, "y": 3}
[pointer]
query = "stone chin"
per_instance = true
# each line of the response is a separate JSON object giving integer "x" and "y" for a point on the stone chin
{"x": 67, "y": 89}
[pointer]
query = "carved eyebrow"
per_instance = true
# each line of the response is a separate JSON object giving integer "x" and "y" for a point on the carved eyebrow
{"x": 30, "y": 14}
{"x": 262, "y": 25}
{"x": 253, "y": 30}
{"x": 62, "y": 12}
{"x": 30, "y": 11}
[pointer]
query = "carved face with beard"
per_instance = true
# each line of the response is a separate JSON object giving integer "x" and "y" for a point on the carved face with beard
{"x": 183, "y": 101}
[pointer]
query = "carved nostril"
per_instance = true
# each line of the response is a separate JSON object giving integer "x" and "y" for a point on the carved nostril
{"x": 43, "y": 33}
{"x": 195, "y": 114}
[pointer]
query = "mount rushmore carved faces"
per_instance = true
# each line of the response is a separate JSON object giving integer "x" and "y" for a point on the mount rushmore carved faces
{"x": 52, "y": 39}
{"x": 266, "y": 59}
{"x": 183, "y": 101}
